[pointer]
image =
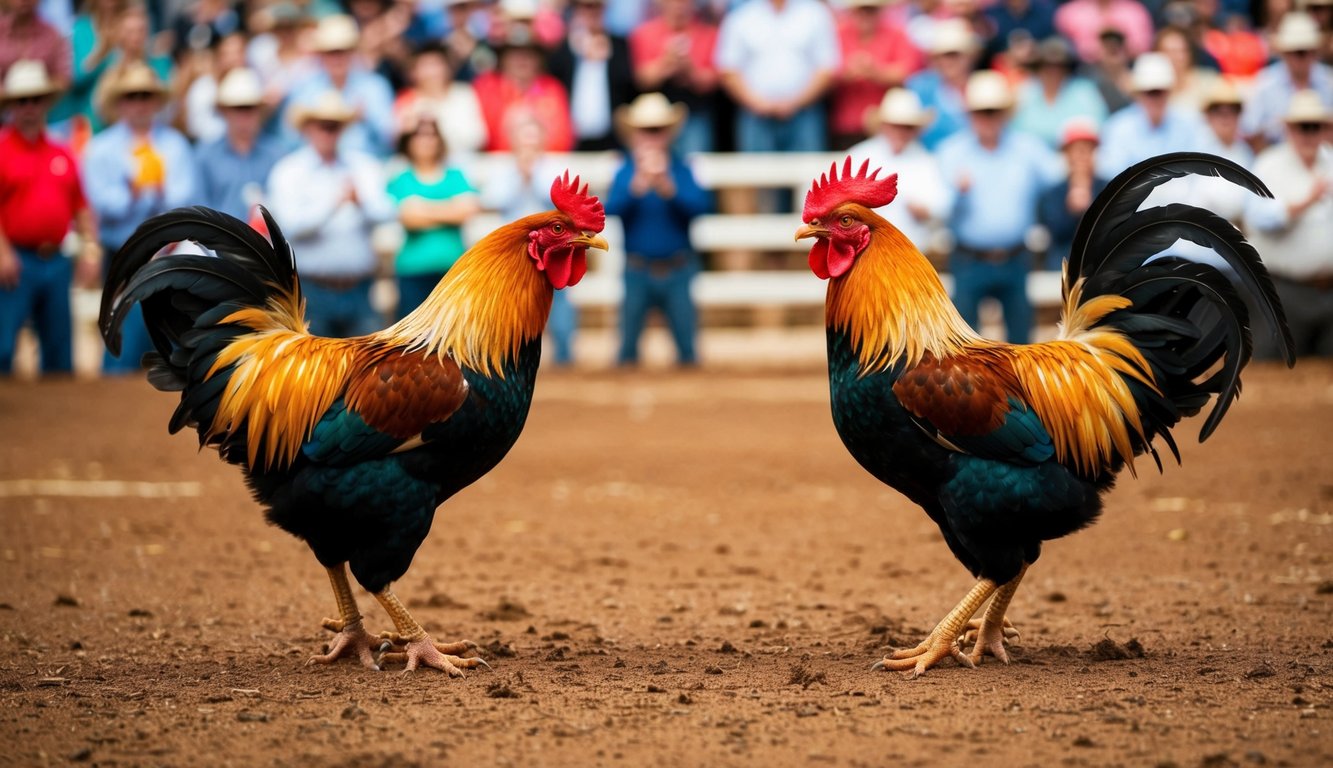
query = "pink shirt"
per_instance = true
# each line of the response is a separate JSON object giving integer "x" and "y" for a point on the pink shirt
{"x": 649, "y": 41}
{"x": 1082, "y": 21}
{"x": 890, "y": 47}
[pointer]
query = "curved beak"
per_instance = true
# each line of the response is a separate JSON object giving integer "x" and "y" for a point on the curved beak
{"x": 592, "y": 240}
{"x": 810, "y": 230}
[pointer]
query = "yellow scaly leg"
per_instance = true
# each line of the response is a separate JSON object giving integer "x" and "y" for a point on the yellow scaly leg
{"x": 351, "y": 639}
{"x": 943, "y": 640}
{"x": 417, "y": 647}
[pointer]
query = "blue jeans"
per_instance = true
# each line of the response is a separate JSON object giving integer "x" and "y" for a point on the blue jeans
{"x": 42, "y": 296}
{"x": 413, "y": 289}
{"x": 340, "y": 312}
{"x": 804, "y": 131}
{"x": 563, "y": 324}
{"x": 696, "y": 135}
{"x": 647, "y": 287}
{"x": 1006, "y": 282}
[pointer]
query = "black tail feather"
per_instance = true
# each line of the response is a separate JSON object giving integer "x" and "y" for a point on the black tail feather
{"x": 1187, "y": 318}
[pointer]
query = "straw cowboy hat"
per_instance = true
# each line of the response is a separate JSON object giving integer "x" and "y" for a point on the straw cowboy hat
{"x": 1222, "y": 91}
{"x": 898, "y": 107}
{"x": 651, "y": 111}
{"x": 329, "y": 107}
{"x": 26, "y": 79}
{"x": 1153, "y": 72}
{"x": 952, "y": 36}
{"x": 133, "y": 77}
{"x": 987, "y": 90}
{"x": 1298, "y": 31}
{"x": 1307, "y": 107}
{"x": 336, "y": 33}
{"x": 240, "y": 88}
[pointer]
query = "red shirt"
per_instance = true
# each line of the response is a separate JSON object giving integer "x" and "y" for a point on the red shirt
{"x": 649, "y": 41}
{"x": 852, "y": 98}
{"x": 546, "y": 98}
{"x": 39, "y": 190}
{"x": 37, "y": 41}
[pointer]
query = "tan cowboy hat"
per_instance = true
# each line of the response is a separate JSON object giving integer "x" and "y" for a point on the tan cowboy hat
{"x": 1222, "y": 91}
{"x": 240, "y": 88}
{"x": 651, "y": 111}
{"x": 899, "y": 107}
{"x": 1307, "y": 107}
{"x": 1298, "y": 31}
{"x": 133, "y": 77}
{"x": 952, "y": 36}
{"x": 987, "y": 90}
{"x": 336, "y": 33}
{"x": 25, "y": 79}
{"x": 330, "y": 107}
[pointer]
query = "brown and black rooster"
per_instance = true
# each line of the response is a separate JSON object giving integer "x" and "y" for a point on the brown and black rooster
{"x": 1006, "y": 446}
{"x": 351, "y": 444}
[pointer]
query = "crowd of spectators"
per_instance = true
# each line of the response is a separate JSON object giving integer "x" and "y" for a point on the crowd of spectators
{"x": 1003, "y": 119}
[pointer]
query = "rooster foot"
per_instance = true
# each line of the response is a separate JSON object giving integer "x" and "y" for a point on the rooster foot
{"x": 988, "y": 638}
{"x": 351, "y": 639}
{"x": 938, "y": 646}
{"x": 427, "y": 652}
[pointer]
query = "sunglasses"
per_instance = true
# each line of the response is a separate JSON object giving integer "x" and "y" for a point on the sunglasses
{"x": 1308, "y": 127}
{"x": 327, "y": 126}
{"x": 1155, "y": 93}
{"x": 27, "y": 101}
{"x": 1298, "y": 54}
{"x": 987, "y": 112}
{"x": 1224, "y": 109}
{"x": 242, "y": 108}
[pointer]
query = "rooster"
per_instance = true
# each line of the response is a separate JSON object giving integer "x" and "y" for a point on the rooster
{"x": 351, "y": 444}
{"x": 1006, "y": 446}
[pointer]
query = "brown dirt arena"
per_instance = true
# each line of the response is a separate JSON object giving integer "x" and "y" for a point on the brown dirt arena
{"x": 669, "y": 569}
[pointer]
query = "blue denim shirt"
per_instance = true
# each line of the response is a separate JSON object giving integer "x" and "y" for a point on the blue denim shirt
{"x": 657, "y": 228}
{"x": 109, "y": 169}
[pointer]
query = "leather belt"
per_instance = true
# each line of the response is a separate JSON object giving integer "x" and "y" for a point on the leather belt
{"x": 44, "y": 251}
{"x": 658, "y": 267}
{"x": 336, "y": 283}
{"x": 991, "y": 255}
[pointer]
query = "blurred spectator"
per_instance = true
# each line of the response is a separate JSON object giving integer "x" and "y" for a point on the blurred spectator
{"x": 452, "y": 103}
{"x": 595, "y": 69}
{"x": 520, "y": 185}
{"x": 92, "y": 42}
{"x": 1221, "y": 112}
{"x": 1298, "y": 40}
{"x": 367, "y": 93}
{"x": 777, "y": 59}
{"x": 1322, "y": 11}
{"x": 1082, "y": 21}
{"x": 469, "y": 53}
{"x": 135, "y": 169}
{"x": 1112, "y": 71}
{"x": 656, "y": 196}
{"x": 328, "y": 197}
{"x": 924, "y": 200}
{"x": 434, "y": 201}
{"x": 130, "y": 45}
{"x": 383, "y": 47}
{"x": 998, "y": 176}
{"x": 1231, "y": 40}
{"x": 1056, "y": 95}
{"x": 1033, "y": 19}
{"x": 278, "y": 54}
{"x": 1193, "y": 81}
{"x": 1152, "y": 125}
{"x": 520, "y": 83}
{"x": 203, "y": 23}
{"x": 953, "y": 50}
{"x": 40, "y": 197}
{"x": 202, "y": 119}
{"x": 1063, "y": 204}
{"x": 876, "y": 55}
{"x": 673, "y": 54}
{"x": 1292, "y": 229}
{"x": 234, "y": 168}
{"x": 25, "y": 35}
{"x": 625, "y": 16}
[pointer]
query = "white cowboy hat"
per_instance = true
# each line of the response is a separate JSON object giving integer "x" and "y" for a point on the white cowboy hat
{"x": 27, "y": 78}
{"x": 651, "y": 111}
{"x": 987, "y": 90}
{"x": 952, "y": 36}
{"x": 1307, "y": 107}
{"x": 1153, "y": 72}
{"x": 1298, "y": 31}
{"x": 336, "y": 33}
{"x": 330, "y": 107}
{"x": 519, "y": 10}
{"x": 240, "y": 88}
{"x": 902, "y": 107}
{"x": 1222, "y": 91}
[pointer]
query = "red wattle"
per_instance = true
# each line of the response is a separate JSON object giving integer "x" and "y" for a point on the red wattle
{"x": 841, "y": 256}
{"x": 819, "y": 258}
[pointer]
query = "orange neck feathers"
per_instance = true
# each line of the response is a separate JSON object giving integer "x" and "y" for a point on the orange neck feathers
{"x": 892, "y": 304}
{"x": 489, "y": 304}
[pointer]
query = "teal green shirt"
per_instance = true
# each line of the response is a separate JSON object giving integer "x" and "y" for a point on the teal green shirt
{"x": 430, "y": 251}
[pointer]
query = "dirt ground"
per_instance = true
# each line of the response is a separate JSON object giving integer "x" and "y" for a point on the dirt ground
{"x": 669, "y": 569}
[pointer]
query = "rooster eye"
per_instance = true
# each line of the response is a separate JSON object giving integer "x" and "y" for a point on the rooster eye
{"x": 557, "y": 227}
{"x": 846, "y": 220}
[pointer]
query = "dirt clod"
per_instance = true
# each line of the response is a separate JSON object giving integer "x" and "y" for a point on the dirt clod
{"x": 1109, "y": 650}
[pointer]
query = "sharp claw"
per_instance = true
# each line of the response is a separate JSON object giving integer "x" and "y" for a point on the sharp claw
{"x": 877, "y": 666}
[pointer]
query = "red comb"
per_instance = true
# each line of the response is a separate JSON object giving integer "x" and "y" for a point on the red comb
{"x": 585, "y": 209}
{"x": 829, "y": 191}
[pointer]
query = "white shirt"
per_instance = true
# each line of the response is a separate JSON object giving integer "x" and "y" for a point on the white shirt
{"x": 331, "y": 238}
{"x": 590, "y": 99}
{"x": 459, "y": 116}
{"x": 919, "y": 181}
{"x": 777, "y": 53}
{"x": 1300, "y": 248}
